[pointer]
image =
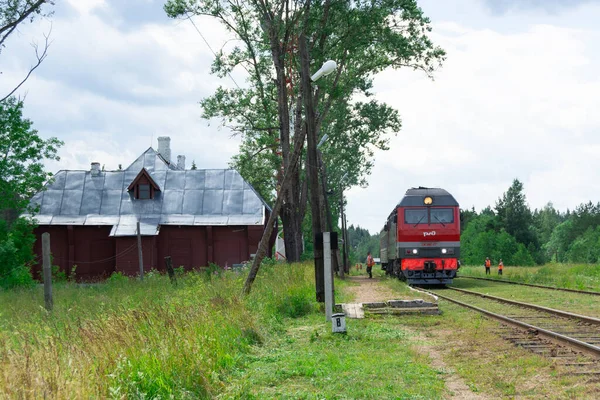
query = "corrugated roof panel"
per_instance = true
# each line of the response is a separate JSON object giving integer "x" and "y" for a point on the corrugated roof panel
{"x": 128, "y": 177}
{"x": 208, "y": 220}
{"x": 138, "y": 164}
{"x": 127, "y": 226}
{"x": 75, "y": 180}
{"x": 58, "y": 181}
{"x": 214, "y": 178}
{"x": 157, "y": 201}
{"x": 159, "y": 178}
{"x": 182, "y": 194}
{"x": 36, "y": 200}
{"x": 101, "y": 220}
{"x": 139, "y": 207}
{"x": 43, "y": 219}
{"x": 192, "y": 202}
{"x": 113, "y": 181}
{"x": 177, "y": 219}
{"x": 127, "y": 206}
{"x": 111, "y": 202}
{"x": 160, "y": 165}
{"x": 71, "y": 202}
{"x": 149, "y": 161}
{"x": 213, "y": 202}
{"x": 245, "y": 220}
{"x": 175, "y": 180}
{"x": 233, "y": 180}
{"x": 172, "y": 202}
{"x": 51, "y": 202}
{"x": 90, "y": 204}
{"x": 252, "y": 203}
{"x": 68, "y": 220}
{"x": 194, "y": 179}
{"x": 94, "y": 182}
{"x": 233, "y": 202}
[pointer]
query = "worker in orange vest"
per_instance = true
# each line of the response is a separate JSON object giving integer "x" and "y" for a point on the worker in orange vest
{"x": 488, "y": 265}
{"x": 370, "y": 263}
{"x": 500, "y": 267}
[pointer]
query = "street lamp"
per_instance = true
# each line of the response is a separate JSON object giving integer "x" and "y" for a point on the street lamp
{"x": 328, "y": 67}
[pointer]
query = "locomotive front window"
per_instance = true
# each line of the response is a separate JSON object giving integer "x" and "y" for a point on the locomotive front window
{"x": 441, "y": 215}
{"x": 415, "y": 216}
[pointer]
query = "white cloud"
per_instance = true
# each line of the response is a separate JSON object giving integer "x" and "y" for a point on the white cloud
{"x": 504, "y": 106}
{"x": 517, "y": 98}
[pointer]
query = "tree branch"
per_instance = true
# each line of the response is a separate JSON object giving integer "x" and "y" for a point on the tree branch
{"x": 11, "y": 25}
{"x": 40, "y": 58}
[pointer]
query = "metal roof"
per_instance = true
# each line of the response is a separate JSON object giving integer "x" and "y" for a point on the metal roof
{"x": 415, "y": 196}
{"x": 186, "y": 197}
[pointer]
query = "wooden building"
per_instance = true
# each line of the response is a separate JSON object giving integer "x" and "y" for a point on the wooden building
{"x": 195, "y": 216}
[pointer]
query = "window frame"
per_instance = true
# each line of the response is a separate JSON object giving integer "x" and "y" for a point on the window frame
{"x": 139, "y": 191}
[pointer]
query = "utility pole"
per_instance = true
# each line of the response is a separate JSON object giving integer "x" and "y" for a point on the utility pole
{"x": 48, "y": 300}
{"x": 139, "y": 246}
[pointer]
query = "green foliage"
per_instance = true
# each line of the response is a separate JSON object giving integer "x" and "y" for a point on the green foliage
{"x": 16, "y": 253}
{"x": 364, "y": 38}
{"x": 117, "y": 277}
{"x": 361, "y": 242}
{"x": 23, "y": 154}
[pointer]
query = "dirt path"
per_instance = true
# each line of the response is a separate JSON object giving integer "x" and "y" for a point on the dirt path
{"x": 369, "y": 290}
{"x": 372, "y": 290}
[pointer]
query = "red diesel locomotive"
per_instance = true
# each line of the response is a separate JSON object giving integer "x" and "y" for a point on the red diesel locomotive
{"x": 420, "y": 242}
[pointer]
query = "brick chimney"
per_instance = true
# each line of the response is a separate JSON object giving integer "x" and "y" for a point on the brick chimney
{"x": 181, "y": 162}
{"x": 164, "y": 147}
{"x": 95, "y": 170}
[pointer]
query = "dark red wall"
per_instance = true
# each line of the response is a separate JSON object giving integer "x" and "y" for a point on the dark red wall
{"x": 98, "y": 255}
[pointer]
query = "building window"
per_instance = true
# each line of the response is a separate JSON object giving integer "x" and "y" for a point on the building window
{"x": 143, "y": 192}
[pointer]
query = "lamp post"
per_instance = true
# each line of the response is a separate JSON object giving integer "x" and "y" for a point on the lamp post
{"x": 336, "y": 266}
{"x": 311, "y": 155}
{"x": 344, "y": 227}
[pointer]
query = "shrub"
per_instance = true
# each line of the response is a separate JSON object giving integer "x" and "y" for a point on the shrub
{"x": 16, "y": 253}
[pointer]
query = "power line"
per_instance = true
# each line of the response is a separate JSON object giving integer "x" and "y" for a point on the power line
{"x": 207, "y": 44}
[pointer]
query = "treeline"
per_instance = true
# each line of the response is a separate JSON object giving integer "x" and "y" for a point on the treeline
{"x": 519, "y": 236}
{"x": 361, "y": 242}
{"x": 511, "y": 231}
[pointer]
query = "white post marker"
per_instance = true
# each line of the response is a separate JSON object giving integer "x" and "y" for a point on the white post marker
{"x": 338, "y": 323}
{"x": 328, "y": 276}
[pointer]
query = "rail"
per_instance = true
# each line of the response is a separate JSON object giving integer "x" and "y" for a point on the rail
{"x": 566, "y": 314}
{"x": 554, "y": 335}
{"x": 533, "y": 285}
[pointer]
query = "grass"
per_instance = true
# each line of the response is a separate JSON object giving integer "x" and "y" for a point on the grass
{"x": 566, "y": 301}
{"x": 201, "y": 339}
{"x": 571, "y": 276}
{"x": 471, "y": 347}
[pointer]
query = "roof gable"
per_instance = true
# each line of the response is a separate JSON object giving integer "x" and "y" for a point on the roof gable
{"x": 143, "y": 173}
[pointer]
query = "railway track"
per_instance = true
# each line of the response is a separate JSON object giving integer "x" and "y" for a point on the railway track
{"x": 573, "y": 340}
{"x": 533, "y": 285}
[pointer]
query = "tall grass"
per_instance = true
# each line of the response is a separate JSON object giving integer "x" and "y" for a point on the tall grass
{"x": 131, "y": 339}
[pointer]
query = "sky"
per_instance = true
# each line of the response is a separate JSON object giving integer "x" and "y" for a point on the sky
{"x": 517, "y": 98}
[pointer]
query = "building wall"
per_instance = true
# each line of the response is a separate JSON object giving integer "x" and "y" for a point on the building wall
{"x": 127, "y": 261}
{"x": 97, "y": 255}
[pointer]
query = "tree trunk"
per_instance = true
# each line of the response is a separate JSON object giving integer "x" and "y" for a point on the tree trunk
{"x": 311, "y": 161}
{"x": 264, "y": 241}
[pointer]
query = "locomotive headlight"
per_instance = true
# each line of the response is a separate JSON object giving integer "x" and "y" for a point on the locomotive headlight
{"x": 444, "y": 251}
{"x": 427, "y": 201}
{"x": 415, "y": 251}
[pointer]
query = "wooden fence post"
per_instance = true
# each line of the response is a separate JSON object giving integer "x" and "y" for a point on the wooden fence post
{"x": 170, "y": 270}
{"x": 48, "y": 301}
{"x": 140, "y": 256}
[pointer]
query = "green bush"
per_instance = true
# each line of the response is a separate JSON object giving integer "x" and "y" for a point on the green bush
{"x": 16, "y": 253}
